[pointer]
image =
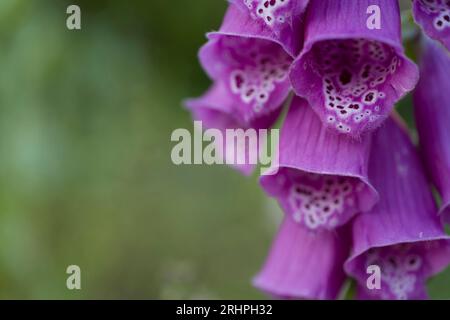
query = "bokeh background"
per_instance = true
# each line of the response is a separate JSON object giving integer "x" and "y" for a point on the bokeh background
{"x": 85, "y": 170}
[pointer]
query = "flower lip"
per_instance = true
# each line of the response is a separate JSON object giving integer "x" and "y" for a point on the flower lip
{"x": 285, "y": 25}
{"x": 356, "y": 104}
{"x": 404, "y": 269}
{"x": 354, "y": 258}
{"x": 321, "y": 201}
{"x": 216, "y": 115}
{"x": 238, "y": 24}
{"x": 321, "y": 179}
{"x": 406, "y": 213}
{"x": 352, "y": 83}
{"x": 251, "y": 62}
{"x": 229, "y": 50}
{"x": 432, "y": 114}
{"x": 434, "y": 18}
{"x": 215, "y": 111}
{"x": 304, "y": 264}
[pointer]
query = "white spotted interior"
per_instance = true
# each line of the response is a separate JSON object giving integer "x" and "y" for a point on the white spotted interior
{"x": 256, "y": 68}
{"x": 355, "y": 74}
{"x": 270, "y": 11}
{"x": 254, "y": 83}
{"x": 439, "y": 10}
{"x": 318, "y": 201}
{"x": 402, "y": 266}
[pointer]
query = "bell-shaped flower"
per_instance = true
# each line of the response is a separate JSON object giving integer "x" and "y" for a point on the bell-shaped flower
{"x": 304, "y": 264}
{"x": 432, "y": 113}
{"x": 353, "y": 68}
{"x": 321, "y": 180}
{"x": 402, "y": 236}
{"x": 284, "y": 18}
{"x": 215, "y": 111}
{"x": 250, "y": 62}
{"x": 434, "y": 18}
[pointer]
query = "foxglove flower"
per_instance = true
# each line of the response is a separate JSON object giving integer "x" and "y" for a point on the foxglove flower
{"x": 351, "y": 75}
{"x": 282, "y": 17}
{"x": 251, "y": 62}
{"x": 215, "y": 110}
{"x": 434, "y": 17}
{"x": 402, "y": 235}
{"x": 304, "y": 264}
{"x": 321, "y": 181}
{"x": 432, "y": 111}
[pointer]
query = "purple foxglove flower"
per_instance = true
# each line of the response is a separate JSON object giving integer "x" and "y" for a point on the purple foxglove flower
{"x": 432, "y": 111}
{"x": 321, "y": 181}
{"x": 402, "y": 235}
{"x": 352, "y": 75}
{"x": 304, "y": 264}
{"x": 253, "y": 65}
{"x": 282, "y": 17}
{"x": 434, "y": 17}
{"x": 215, "y": 110}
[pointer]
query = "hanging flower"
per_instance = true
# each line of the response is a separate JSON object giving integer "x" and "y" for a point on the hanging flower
{"x": 321, "y": 180}
{"x": 434, "y": 17}
{"x": 253, "y": 65}
{"x": 432, "y": 111}
{"x": 215, "y": 110}
{"x": 281, "y": 17}
{"x": 402, "y": 235}
{"x": 348, "y": 178}
{"x": 351, "y": 75}
{"x": 304, "y": 264}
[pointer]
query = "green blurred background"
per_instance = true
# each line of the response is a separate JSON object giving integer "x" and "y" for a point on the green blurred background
{"x": 86, "y": 176}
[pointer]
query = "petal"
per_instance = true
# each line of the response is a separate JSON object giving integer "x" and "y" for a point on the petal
{"x": 304, "y": 264}
{"x": 434, "y": 17}
{"x": 254, "y": 67}
{"x": 282, "y": 17}
{"x": 405, "y": 287}
{"x": 432, "y": 112}
{"x": 402, "y": 234}
{"x": 215, "y": 110}
{"x": 349, "y": 72}
{"x": 321, "y": 179}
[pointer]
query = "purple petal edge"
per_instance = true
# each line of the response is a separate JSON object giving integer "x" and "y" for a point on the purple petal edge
{"x": 286, "y": 20}
{"x": 404, "y": 223}
{"x": 253, "y": 65}
{"x": 316, "y": 164}
{"x": 328, "y": 69}
{"x": 434, "y": 19}
{"x": 432, "y": 113}
{"x": 215, "y": 110}
{"x": 303, "y": 264}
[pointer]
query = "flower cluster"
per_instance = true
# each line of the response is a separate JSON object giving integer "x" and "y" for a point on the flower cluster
{"x": 356, "y": 191}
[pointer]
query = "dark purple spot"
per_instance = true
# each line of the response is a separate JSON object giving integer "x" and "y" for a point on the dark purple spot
{"x": 369, "y": 97}
{"x": 345, "y": 77}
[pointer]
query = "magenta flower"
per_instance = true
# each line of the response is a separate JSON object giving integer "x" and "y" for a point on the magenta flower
{"x": 282, "y": 17}
{"x": 402, "y": 234}
{"x": 351, "y": 75}
{"x": 304, "y": 264}
{"x": 434, "y": 17}
{"x": 249, "y": 67}
{"x": 252, "y": 63}
{"x": 432, "y": 111}
{"x": 348, "y": 178}
{"x": 321, "y": 180}
{"x": 215, "y": 110}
